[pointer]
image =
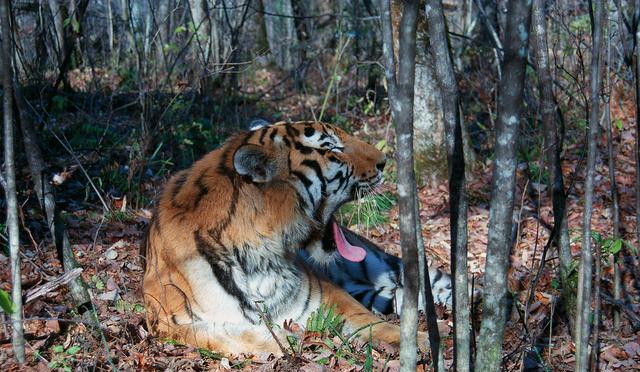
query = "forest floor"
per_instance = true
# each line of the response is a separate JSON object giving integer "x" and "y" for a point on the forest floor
{"x": 107, "y": 248}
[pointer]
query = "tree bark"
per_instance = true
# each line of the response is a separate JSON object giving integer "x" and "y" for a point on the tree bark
{"x": 425, "y": 290}
{"x": 59, "y": 14}
{"x": 450, "y": 95}
{"x": 510, "y": 101}
{"x": 109, "y": 27}
{"x": 200, "y": 45}
{"x": 67, "y": 57}
{"x": 583, "y": 323}
{"x": 401, "y": 95}
{"x": 281, "y": 33}
{"x": 428, "y": 122}
{"x": 637, "y": 152}
{"x": 615, "y": 204}
{"x": 17, "y": 335}
{"x": 127, "y": 43}
{"x": 553, "y": 151}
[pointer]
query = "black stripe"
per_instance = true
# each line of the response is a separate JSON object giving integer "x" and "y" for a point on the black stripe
{"x": 180, "y": 181}
{"x": 292, "y": 131}
{"x": 371, "y": 301}
{"x": 365, "y": 271}
{"x": 203, "y": 190}
{"x": 316, "y": 168}
{"x": 216, "y": 232}
{"x": 340, "y": 177}
{"x": 222, "y": 271}
{"x": 307, "y": 183}
{"x": 437, "y": 277}
{"x": 303, "y": 149}
{"x": 360, "y": 295}
{"x": 347, "y": 176}
{"x": 262, "y": 135}
{"x": 307, "y": 301}
{"x": 388, "y": 309}
{"x": 321, "y": 207}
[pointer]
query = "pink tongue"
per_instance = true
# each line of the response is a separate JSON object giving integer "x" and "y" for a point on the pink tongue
{"x": 346, "y": 250}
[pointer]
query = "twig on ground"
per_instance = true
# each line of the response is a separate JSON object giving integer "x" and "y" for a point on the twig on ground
{"x": 52, "y": 285}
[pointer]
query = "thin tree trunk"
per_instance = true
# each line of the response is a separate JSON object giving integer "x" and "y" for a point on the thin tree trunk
{"x": 162, "y": 23}
{"x": 201, "y": 43}
{"x": 66, "y": 61}
{"x": 583, "y": 324}
{"x": 510, "y": 101}
{"x": 615, "y": 204}
{"x": 17, "y": 335}
{"x": 58, "y": 14}
{"x": 281, "y": 33}
{"x": 75, "y": 31}
{"x": 77, "y": 287}
{"x": 427, "y": 295}
{"x": 445, "y": 75}
{"x": 553, "y": 149}
{"x": 148, "y": 30}
{"x": 401, "y": 91}
{"x": 637, "y": 79}
{"x": 595, "y": 350}
{"x": 109, "y": 27}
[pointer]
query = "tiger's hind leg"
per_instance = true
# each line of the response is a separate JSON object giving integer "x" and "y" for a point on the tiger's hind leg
{"x": 359, "y": 319}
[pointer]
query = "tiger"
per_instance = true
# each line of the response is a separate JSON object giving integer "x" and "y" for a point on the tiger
{"x": 222, "y": 247}
{"x": 377, "y": 280}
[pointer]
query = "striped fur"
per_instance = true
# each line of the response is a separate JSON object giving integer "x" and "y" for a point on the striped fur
{"x": 222, "y": 247}
{"x": 376, "y": 282}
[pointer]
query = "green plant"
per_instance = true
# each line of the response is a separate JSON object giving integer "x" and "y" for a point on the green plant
{"x": 325, "y": 321}
{"x": 97, "y": 282}
{"x": 171, "y": 341}
{"x": 5, "y": 302}
{"x": 368, "y": 210}
{"x": 63, "y": 359}
{"x": 206, "y": 353}
{"x": 610, "y": 246}
{"x": 368, "y": 361}
{"x": 126, "y": 307}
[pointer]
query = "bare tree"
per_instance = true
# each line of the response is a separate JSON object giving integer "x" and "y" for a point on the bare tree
{"x": 281, "y": 33}
{"x": 9, "y": 183}
{"x": 510, "y": 101}
{"x": 401, "y": 92}
{"x": 553, "y": 150}
{"x": 583, "y": 322}
{"x": 201, "y": 44}
{"x": 58, "y": 13}
{"x": 637, "y": 152}
{"x": 615, "y": 204}
{"x": 445, "y": 75}
{"x": 110, "y": 28}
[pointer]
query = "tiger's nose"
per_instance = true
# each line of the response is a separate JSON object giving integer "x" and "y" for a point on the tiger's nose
{"x": 381, "y": 163}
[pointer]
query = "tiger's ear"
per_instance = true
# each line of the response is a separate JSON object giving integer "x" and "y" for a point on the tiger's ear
{"x": 254, "y": 162}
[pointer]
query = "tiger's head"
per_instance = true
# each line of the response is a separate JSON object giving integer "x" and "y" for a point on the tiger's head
{"x": 323, "y": 164}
